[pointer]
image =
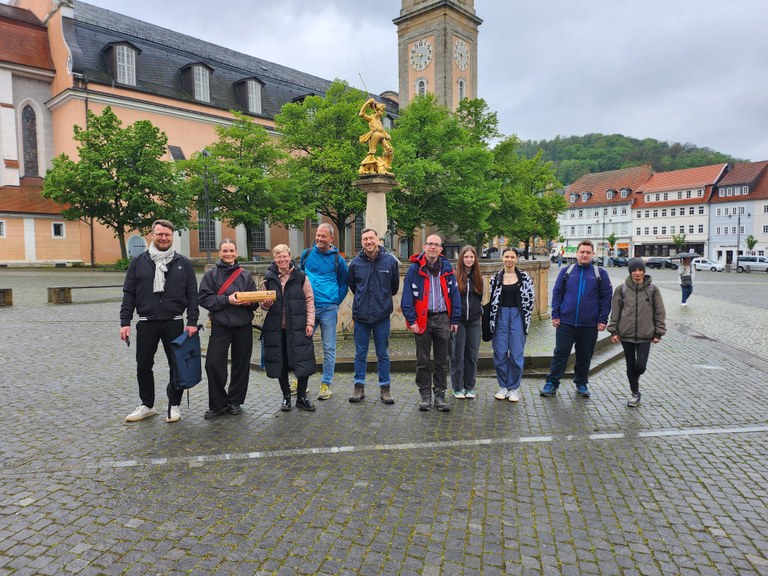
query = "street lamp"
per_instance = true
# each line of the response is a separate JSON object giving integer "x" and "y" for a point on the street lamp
{"x": 738, "y": 234}
{"x": 207, "y": 236}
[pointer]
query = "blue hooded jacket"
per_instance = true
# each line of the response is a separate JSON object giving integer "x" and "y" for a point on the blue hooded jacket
{"x": 373, "y": 283}
{"x": 329, "y": 284}
{"x": 581, "y": 300}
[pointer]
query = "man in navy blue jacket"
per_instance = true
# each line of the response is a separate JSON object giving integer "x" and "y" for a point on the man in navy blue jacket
{"x": 374, "y": 277}
{"x": 581, "y": 303}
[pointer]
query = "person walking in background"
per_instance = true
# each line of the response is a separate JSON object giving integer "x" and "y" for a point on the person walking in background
{"x": 231, "y": 327}
{"x": 581, "y": 302}
{"x": 686, "y": 273}
{"x": 374, "y": 278}
{"x": 160, "y": 285}
{"x": 638, "y": 318}
{"x": 465, "y": 343}
{"x": 288, "y": 327}
{"x": 327, "y": 272}
{"x": 432, "y": 308}
{"x": 512, "y": 300}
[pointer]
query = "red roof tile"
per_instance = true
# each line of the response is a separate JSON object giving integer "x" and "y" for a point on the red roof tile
{"x": 683, "y": 179}
{"x": 25, "y": 39}
{"x": 27, "y": 198}
{"x": 599, "y": 183}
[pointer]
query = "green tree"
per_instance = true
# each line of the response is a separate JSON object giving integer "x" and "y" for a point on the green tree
{"x": 442, "y": 164}
{"x": 244, "y": 174}
{"x": 529, "y": 204}
{"x": 751, "y": 242}
{"x": 323, "y": 136}
{"x": 611, "y": 239}
{"x": 680, "y": 241}
{"x": 120, "y": 179}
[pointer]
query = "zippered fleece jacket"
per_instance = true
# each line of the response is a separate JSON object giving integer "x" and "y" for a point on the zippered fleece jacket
{"x": 415, "y": 299}
{"x": 180, "y": 291}
{"x": 638, "y": 313}
{"x": 580, "y": 301}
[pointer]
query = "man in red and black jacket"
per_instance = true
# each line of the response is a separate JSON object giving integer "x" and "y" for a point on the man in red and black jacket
{"x": 432, "y": 308}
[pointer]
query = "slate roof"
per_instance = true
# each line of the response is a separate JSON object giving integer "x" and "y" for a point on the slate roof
{"x": 24, "y": 39}
{"x": 27, "y": 198}
{"x": 165, "y": 52}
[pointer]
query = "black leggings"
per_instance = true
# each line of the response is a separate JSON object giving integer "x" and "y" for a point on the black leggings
{"x": 636, "y": 354}
{"x": 301, "y": 389}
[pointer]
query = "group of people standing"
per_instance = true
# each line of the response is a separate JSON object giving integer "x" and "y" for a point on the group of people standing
{"x": 441, "y": 306}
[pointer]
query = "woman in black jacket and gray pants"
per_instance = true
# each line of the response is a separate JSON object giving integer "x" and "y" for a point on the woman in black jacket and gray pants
{"x": 465, "y": 343}
{"x": 231, "y": 326}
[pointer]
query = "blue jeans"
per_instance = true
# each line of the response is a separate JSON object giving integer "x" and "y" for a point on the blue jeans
{"x": 584, "y": 338}
{"x": 362, "y": 334}
{"x": 326, "y": 317}
{"x": 687, "y": 291}
{"x": 509, "y": 348}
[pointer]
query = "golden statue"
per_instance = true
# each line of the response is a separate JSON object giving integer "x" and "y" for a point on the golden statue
{"x": 375, "y": 136}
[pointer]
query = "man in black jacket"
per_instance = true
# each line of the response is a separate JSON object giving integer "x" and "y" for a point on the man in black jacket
{"x": 160, "y": 285}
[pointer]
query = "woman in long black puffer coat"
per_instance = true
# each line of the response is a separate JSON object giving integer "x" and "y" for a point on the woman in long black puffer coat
{"x": 287, "y": 334}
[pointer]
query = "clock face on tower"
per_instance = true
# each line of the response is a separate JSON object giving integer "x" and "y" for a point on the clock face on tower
{"x": 421, "y": 54}
{"x": 461, "y": 54}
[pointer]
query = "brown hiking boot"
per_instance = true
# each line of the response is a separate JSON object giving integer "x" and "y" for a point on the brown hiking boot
{"x": 358, "y": 394}
{"x": 386, "y": 395}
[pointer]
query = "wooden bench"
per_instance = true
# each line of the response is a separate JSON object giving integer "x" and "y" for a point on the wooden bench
{"x": 63, "y": 294}
{"x": 6, "y": 297}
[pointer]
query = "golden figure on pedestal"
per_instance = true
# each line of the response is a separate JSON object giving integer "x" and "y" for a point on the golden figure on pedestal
{"x": 375, "y": 136}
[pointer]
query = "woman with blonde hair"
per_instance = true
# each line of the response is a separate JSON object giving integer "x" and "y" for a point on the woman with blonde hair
{"x": 465, "y": 343}
{"x": 288, "y": 327}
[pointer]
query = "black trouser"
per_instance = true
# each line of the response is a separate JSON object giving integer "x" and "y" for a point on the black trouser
{"x": 149, "y": 333}
{"x": 285, "y": 387}
{"x": 241, "y": 340}
{"x": 437, "y": 334}
{"x": 636, "y": 354}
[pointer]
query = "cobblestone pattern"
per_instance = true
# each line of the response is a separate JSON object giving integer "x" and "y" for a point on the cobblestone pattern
{"x": 546, "y": 486}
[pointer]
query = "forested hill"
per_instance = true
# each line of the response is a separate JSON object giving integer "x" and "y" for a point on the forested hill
{"x": 575, "y": 156}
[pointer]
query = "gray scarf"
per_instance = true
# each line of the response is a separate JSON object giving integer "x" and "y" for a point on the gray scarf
{"x": 161, "y": 260}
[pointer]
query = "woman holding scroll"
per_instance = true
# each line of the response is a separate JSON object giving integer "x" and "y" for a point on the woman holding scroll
{"x": 231, "y": 326}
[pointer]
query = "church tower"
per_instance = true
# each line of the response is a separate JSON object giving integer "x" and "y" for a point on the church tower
{"x": 437, "y": 50}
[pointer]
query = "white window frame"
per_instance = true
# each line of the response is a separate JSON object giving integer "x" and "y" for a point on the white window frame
{"x": 202, "y": 79}
{"x": 254, "y": 96}
{"x": 63, "y": 230}
{"x": 2, "y": 228}
{"x": 125, "y": 65}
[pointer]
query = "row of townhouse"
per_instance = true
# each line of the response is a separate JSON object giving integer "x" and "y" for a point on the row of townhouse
{"x": 716, "y": 207}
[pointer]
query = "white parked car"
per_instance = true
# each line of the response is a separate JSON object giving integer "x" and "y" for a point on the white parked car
{"x": 705, "y": 264}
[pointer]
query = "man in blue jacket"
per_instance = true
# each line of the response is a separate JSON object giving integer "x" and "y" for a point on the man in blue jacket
{"x": 374, "y": 277}
{"x": 581, "y": 303}
{"x": 432, "y": 308}
{"x": 327, "y": 273}
{"x": 160, "y": 286}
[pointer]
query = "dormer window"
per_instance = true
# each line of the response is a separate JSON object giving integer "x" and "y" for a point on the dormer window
{"x": 574, "y": 196}
{"x": 120, "y": 61}
{"x": 625, "y": 192}
{"x": 585, "y": 196}
{"x": 248, "y": 93}
{"x": 196, "y": 80}
{"x": 609, "y": 194}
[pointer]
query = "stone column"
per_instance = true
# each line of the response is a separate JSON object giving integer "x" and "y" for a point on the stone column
{"x": 376, "y": 187}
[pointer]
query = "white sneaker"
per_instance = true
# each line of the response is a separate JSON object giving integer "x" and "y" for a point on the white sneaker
{"x": 513, "y": 396}
{"x": 140, "y": 413}
{"x": 501, "y": 394}
{"x": 175, "y": 414}
{"x": 684, "y": 304}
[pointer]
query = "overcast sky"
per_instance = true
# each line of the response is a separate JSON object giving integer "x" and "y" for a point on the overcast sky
{"x": 676, "y": 70}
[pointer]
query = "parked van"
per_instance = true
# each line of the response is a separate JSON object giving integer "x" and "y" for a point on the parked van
{"x": 754, "y": 263}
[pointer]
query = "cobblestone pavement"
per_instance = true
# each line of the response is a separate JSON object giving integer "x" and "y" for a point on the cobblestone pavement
{"x": 546, "y": 486}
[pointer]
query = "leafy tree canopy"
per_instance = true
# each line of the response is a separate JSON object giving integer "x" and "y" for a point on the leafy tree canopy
{"x": 574, "y": 156}
{"x": 120, "y": 180}
{"x": 322, "y": 135}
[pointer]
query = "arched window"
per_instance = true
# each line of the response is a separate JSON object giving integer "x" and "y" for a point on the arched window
{"x": 29, "y": 140}
{"x": 421, "y": 87}
{"x": 462, "y": 89}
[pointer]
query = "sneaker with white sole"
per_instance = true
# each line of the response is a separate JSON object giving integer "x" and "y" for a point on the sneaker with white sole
{"x": 469, "y": 394}
{"x": 324, "y": 393}
{"x": 140, "y": 413}
{"x": 513, "y": 396}
{"x": 174, "y": 414}
{"x": 501, "y": 394}
{"x": 459, "y": 394}
{"x": 634, "y": 400}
